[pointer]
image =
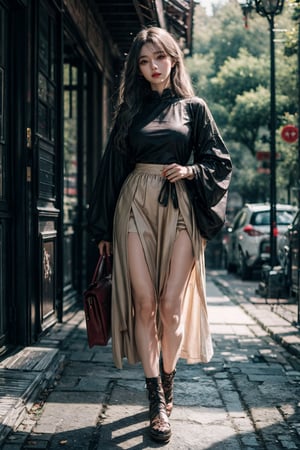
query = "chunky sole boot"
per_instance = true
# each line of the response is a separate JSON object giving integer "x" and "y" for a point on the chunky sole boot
{"x": 168, "y": 387}
{"x": 160, "y": 429}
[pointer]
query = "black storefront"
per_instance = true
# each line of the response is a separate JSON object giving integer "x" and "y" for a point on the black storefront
{"x": 59, "y": 67}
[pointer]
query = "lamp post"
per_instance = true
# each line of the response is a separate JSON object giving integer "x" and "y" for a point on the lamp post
{"x": 269, "y": 9}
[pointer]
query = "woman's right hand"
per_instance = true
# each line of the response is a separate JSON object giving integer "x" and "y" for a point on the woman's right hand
{"x": 105, "y": 248}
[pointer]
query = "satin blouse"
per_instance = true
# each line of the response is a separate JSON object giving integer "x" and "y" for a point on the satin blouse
{"x": 168, "y": 129}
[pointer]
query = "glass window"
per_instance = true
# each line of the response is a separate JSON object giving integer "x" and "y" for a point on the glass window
{"x": 284, "y": 217}
{"x": 263, "y": 218}
{"x": 296, "y": 220}
{"x": 3, "y": 106}
{"x": 46, "y": 77}
{"x": 240, "y": 220}
{"x": 70, "y": 142}
{"x": 44, "y": 41}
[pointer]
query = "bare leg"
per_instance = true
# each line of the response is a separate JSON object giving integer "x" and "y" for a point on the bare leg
{"x": 145, "y": 307}
{"x": 171, "y": 302}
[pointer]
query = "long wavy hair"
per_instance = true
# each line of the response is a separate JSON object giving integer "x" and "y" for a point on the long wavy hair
{"x": 134, "y": 88}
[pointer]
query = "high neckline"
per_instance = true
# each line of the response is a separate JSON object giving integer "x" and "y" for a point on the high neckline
{"x": 166, "y": 94}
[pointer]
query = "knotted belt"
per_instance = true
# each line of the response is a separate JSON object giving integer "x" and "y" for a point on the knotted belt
{"x": 168, "y": 190}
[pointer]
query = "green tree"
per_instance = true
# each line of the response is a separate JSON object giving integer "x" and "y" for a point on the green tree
{"x": 250, "y": 116}
{"x": 291, "y": 43}
{"x": 238, "y": 75}
{"x": 223, "y": 34}
{"x": 230, "y": 68}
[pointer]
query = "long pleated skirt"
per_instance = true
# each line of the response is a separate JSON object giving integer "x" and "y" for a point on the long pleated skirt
{"x": 138, "y": 210}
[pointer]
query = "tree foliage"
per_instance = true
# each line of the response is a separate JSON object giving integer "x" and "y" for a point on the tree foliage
{"x": 230, "y": 69}
{"x": 292, "y": 43}
{"x": 238, "y": 75}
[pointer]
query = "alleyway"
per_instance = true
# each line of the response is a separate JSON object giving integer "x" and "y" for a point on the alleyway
{"x": 247, "y": 397}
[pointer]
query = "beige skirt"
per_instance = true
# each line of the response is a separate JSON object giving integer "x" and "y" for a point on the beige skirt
{"x": 138, "y": 210}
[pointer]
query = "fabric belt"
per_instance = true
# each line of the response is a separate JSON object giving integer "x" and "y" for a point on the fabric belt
{"x": 168, "y": 190}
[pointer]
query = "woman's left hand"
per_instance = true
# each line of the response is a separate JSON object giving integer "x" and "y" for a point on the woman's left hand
{"x": 174, "y": 172}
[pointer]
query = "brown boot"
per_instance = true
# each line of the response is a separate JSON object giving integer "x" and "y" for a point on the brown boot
{"x": 160, "y": 428}
{"x": 168, "y": 387}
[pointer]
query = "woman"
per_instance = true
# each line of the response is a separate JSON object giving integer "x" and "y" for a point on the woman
{"x": 140, "y": 204}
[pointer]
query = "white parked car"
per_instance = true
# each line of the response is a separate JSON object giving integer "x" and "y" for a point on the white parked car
{"x": 248, "y": 244}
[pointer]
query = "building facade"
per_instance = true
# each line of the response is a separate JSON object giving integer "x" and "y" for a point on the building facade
{"x": 60, "y": 62}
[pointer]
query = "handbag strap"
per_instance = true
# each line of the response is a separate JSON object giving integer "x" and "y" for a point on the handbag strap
{"x": 108, "y": 260}
{"x": 104, "y": 263}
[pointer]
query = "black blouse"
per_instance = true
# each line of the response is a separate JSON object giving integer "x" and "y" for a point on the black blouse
{"x": 167, "y": 130}
{"x": 161, "y": 132}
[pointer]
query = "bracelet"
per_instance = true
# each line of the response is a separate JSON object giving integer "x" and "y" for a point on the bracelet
{"x": 194, "y": 171}
{"x": 191, "y": 172}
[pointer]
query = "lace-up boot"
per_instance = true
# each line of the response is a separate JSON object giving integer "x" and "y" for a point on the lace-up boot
{"x": 160, "y": 428}
{"x": 168, "y": 387}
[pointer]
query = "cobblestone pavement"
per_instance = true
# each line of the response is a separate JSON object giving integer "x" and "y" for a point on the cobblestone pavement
{"x": 247, "y": 397}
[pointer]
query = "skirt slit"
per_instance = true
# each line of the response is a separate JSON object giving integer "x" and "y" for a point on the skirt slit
{"x": 138, "y": 210}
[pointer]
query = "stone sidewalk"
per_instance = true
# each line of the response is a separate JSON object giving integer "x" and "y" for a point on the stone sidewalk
{"x": 279, "y": 317}
{"x": 246, "y": 398}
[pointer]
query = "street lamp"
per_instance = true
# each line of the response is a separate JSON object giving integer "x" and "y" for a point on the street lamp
{"x": 269, "y": 9}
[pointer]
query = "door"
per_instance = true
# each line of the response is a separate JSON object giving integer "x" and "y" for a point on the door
{"x": 5, "y": 204}
{"x": 47, "y": 154}
{"x": 72, "y": 77}
{"x": 81, "y": 107}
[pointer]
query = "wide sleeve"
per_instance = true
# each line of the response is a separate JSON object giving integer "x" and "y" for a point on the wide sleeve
{"x": 113, "y": 170}
{"x": 212, "y": 163}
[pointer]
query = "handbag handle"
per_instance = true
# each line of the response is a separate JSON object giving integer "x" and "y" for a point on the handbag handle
{"x": 104, "y": 263}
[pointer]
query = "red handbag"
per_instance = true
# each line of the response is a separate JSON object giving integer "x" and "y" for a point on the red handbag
{"x": 97, "y": 303}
